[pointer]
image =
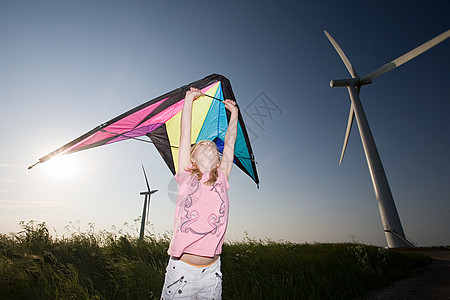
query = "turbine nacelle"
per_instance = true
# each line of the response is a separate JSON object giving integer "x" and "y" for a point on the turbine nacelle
{"x": 348, "y": 82}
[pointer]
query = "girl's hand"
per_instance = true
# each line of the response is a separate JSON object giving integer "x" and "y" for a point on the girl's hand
{"x": 193, "y": 93}
{"x": 231, "y": 105}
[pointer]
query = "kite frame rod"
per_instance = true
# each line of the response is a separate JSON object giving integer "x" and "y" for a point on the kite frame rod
{"x": 141, "y": 140}
{"x": 186, "y": 89}
{"x": 213, "y": 97}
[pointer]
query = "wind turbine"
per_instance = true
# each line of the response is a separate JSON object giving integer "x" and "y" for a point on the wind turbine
{"x": 392, "y": 226}
{"x": 146, "y": 205}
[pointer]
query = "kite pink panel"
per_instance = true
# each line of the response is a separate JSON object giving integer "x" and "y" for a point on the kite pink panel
{"x": 121, "y": 126}
{"x": 130, "y": 122}
{"x": 152, "y": 123}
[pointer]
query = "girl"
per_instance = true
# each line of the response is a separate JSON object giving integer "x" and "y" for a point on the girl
{"x": 201, "y": 215}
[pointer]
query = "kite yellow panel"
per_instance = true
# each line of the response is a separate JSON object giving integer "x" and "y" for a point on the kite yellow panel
{"x": 200, "y": 109}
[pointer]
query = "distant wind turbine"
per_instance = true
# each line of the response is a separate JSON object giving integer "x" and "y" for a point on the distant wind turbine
{"x": 392, "y": 226}
{"x": 146, "y": 205}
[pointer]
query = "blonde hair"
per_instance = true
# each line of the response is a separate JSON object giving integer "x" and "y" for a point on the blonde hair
{"x": 195, "y": 170}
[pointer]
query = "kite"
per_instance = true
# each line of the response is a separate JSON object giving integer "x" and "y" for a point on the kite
{"x": 159, "y": 120}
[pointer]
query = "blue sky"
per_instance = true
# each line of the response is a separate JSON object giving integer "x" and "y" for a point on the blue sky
{"x": 68, "y": 66}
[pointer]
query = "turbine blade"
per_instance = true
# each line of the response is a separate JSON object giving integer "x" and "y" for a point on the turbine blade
{"x": 146, "y": 180}
{"x": 406, "y": 57}
{"x": 341, "y": 53}
{"x": 351, "y": 116}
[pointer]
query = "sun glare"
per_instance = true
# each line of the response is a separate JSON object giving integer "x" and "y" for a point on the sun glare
{"x": 63, "y": 168}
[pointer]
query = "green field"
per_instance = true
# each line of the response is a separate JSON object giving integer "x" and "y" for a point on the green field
{"x": 35, "y": 265}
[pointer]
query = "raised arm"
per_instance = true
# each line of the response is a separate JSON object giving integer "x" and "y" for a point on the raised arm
{"x": 230, "y": 138}
{"x": 184, "y": 149}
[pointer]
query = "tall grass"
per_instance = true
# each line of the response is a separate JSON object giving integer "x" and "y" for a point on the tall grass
{"x": 35, "y": 265}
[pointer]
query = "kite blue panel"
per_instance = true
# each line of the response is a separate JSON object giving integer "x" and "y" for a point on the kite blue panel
{"x": 241, "y": 150}
{"x": 216, "y": 123}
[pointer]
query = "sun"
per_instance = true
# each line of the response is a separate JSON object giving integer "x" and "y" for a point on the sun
{"x": 62, "y": 168}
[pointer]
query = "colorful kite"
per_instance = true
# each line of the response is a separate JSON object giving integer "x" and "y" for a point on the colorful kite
{"x": 159, "y": 119}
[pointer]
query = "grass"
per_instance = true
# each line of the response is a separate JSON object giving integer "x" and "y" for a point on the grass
{"x": 34, "y": 265}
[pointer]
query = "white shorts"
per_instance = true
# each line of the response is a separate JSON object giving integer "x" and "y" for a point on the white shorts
{"x": 184, "y": 281}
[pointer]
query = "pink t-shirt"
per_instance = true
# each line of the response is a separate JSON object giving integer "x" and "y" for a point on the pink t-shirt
{"x": 201, "y": 215}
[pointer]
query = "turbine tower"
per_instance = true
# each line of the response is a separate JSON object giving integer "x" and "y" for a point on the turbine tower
{"x": 392, "y": 226}
{"x": 146, "y": 205}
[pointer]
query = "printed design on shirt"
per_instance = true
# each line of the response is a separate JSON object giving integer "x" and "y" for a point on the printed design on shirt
{"x": 217, "y": 220}
{"x": 190, "y": 216}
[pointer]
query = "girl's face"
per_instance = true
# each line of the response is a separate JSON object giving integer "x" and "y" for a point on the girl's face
{"x": 205, "y": 156}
